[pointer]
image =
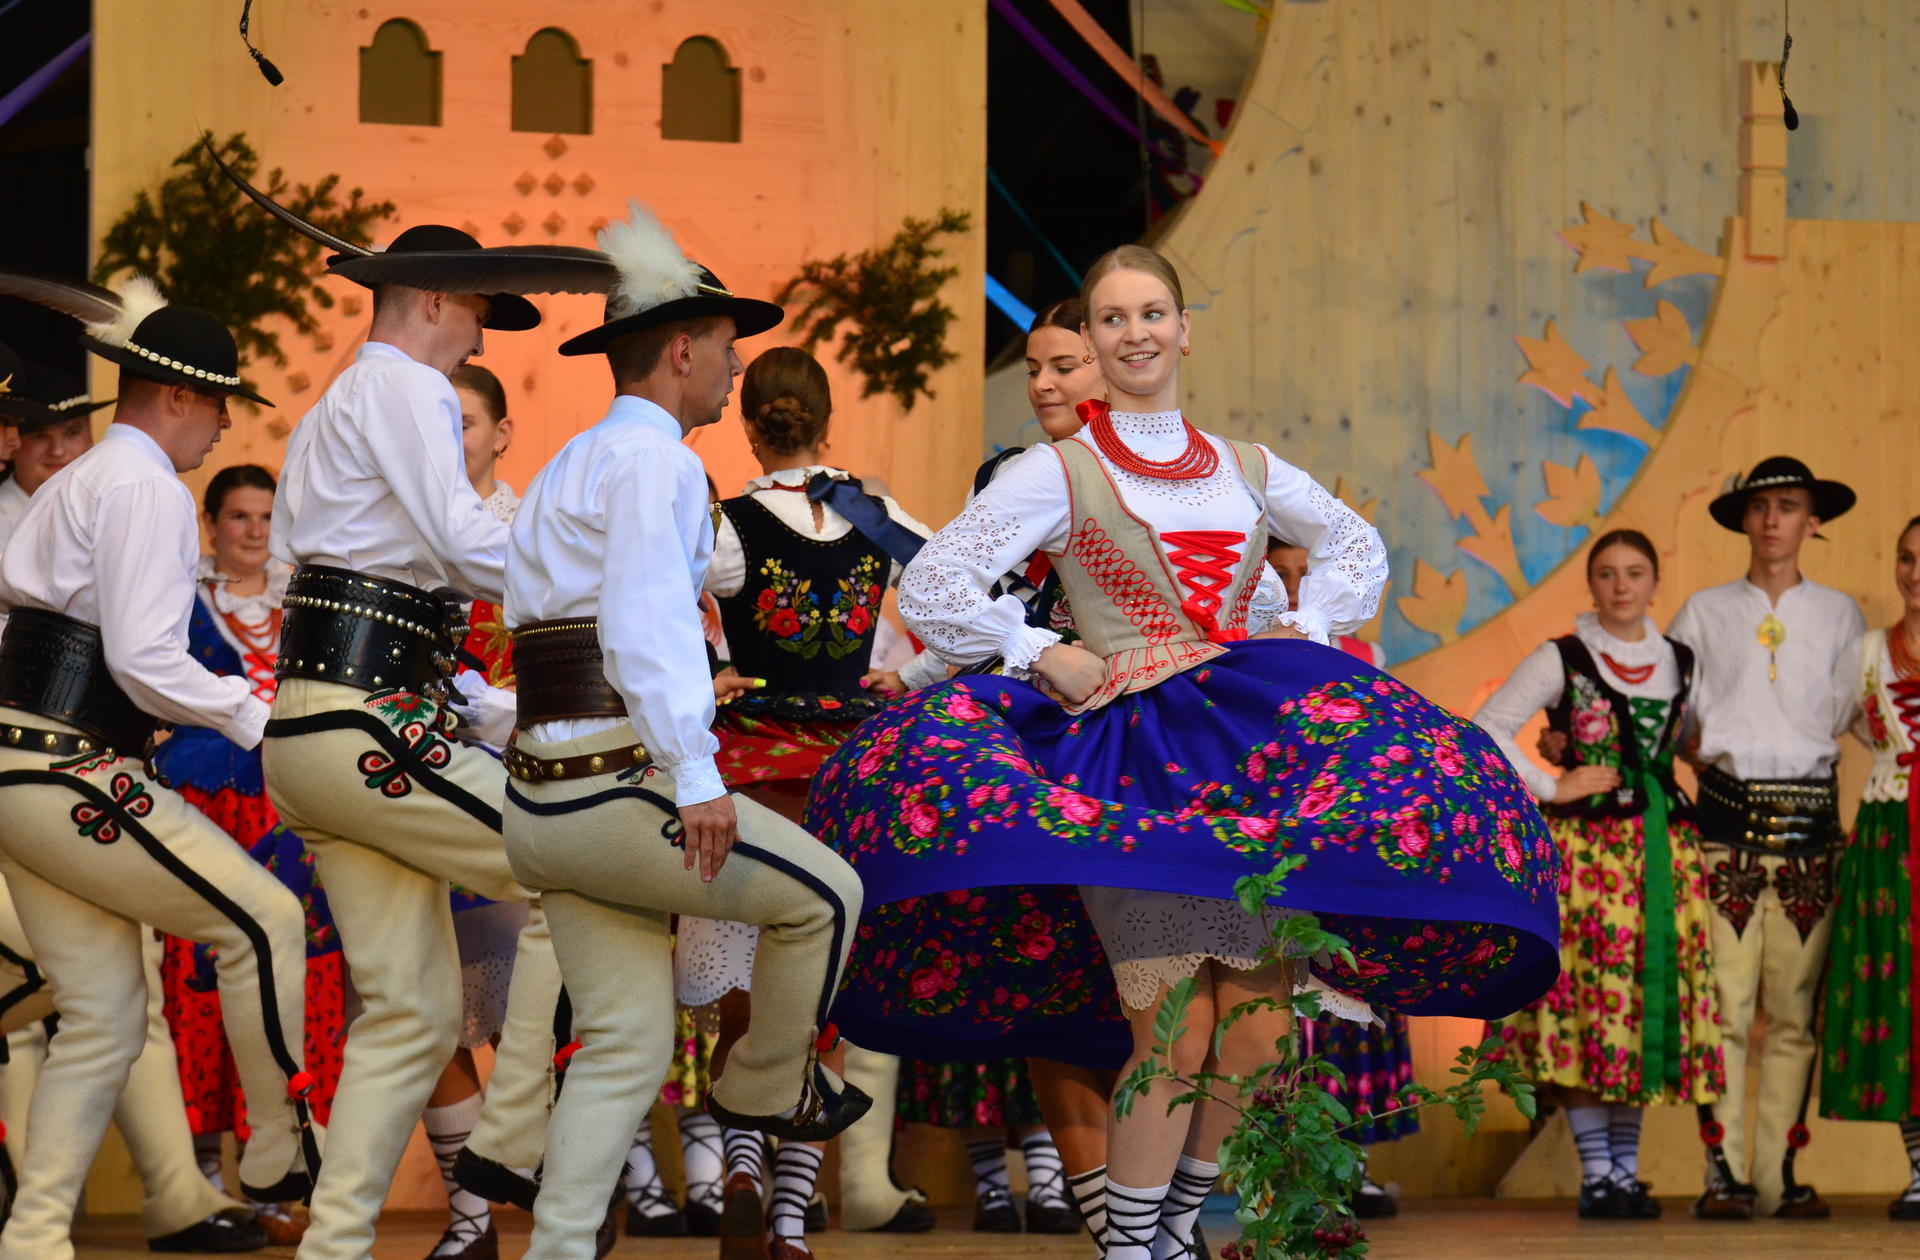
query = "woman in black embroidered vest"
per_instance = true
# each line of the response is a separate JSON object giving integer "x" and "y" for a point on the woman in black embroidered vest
{"x": 1634, "y": 1017}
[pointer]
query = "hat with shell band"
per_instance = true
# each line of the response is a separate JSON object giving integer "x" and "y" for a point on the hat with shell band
{"x": 40, "y": 395}
{"x": 178, "y": 345}
{"x": 1831, "y": 499}
{"x": 658, "y": 284}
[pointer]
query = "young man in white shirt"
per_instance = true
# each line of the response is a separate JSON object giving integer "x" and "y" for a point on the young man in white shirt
{"x": 1766, "y": 710}
{"x": 617, "y": 812}
{"x": 99, "y": 582}
{"x": 49, "y": 413}
{"x": 388, "y": 535}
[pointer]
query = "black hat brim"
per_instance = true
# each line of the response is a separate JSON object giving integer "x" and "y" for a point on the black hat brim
{"x": 1831, "y": 501}
{"x": 141, "y": 366}
{"x": 750, "y": 317}
{"x": 29, "y": 415}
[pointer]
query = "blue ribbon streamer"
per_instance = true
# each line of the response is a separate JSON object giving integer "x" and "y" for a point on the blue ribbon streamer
{"x": 1010, "y": 306}
{"x": 34, "y": 84}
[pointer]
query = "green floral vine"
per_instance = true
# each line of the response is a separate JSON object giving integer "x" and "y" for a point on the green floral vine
{"x": 206, "y": 246}
{"x": 890, "y": 299}
{"x": 1291, "y": 1154}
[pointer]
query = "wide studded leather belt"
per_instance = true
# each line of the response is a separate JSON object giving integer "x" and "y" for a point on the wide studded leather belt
{"x": 1786, "y": 818}
{"x": 528, "y": 768}
{"x": 559, "y": 673}
{"x": 367, "y": 632}
{"x": 55, "y": 666}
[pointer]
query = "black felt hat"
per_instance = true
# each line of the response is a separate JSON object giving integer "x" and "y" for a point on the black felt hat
{"x": 446, "y": 260}
{"x": 178, "y": 345}
{"x": 38, "y": 396}
{"x": 1831, "y": 499}
{"x": 657, "y": 284}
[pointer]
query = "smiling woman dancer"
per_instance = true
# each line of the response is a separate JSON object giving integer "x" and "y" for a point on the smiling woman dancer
{"x": 1178, "y": 755}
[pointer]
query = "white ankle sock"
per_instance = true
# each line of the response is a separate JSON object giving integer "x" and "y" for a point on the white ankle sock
{"x": 1133, "y": 1218}
{"x": 703, "y": 1154}
{"x": 1193, "y": 1181}
{"x": 1089, "y": 1190}
{"x": 448, "y": 1128}
{"x": 796, "y": 1167}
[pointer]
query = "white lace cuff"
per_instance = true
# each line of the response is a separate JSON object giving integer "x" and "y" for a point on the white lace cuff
{"x": 1307, "y": 621}
{"x": 922, "y": 670}
{"x": 1023, "y": 648}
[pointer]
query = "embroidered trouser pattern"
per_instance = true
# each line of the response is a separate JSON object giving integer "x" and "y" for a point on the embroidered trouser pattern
{"x": 91, "y": 850}
{"x": 392, "y": 811}
{"x": 606, "y": 854}
{"x": 1770, "y": 932}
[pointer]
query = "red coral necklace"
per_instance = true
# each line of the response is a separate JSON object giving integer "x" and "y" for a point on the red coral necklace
{"x": 1632, "y": 675}
{"x": 1198, "y": 461}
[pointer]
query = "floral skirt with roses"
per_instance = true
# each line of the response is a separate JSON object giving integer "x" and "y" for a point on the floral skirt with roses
{"x": 1587, "y": 1033}
{"x": 972, "y": 810}
{"x": 1868, "y": 1038}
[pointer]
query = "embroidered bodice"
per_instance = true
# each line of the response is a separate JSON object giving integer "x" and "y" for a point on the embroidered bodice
{"x": 1889, "y": 719}
{"x": 247, "y": 624}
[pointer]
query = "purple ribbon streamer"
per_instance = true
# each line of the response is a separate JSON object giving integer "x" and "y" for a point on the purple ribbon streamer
{"x": 1054, "y": 58}
{"x": 34, "y": 84}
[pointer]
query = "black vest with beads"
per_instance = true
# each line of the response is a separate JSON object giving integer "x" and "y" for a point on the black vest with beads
{"x": 805, "y": 619}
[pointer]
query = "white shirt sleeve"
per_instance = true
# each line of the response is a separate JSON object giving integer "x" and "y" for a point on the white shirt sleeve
{"x": 414, "y": 443}
{"x": 727, "y": 574}
{"x": 656, "y": 658}
{"x": 1269, "y": 601}
{"x": 1686, "y": 627}
{"x": 1849, "y": 691}
{"x": 1346, "y": 561}
{"x": 901, "y": 518}
{"x": 923, "y": 671}
{"x": 944, "y": 593}
{"x": 146, "y": 544}
{"x": 1535, "y": 684}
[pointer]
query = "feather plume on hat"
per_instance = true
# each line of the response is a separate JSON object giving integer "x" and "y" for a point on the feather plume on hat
{"x": 651, "y": 267}
{"x": 139, "y": 298}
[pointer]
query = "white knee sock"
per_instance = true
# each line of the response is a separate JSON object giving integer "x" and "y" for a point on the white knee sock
{"x": 447, "y": 1130}
{"x": 796, "y": 1167}
{"x": 1133, "y": 1218}
{"x": 1910, "y": 1134}
{"x": 1193, "y": 1181}
{"x": 746, "y": 1153}
{"x": 988, "y": 1156}
{"x": 703, "y": 1154}
{"x": 1589, "y": 1125}
{"x": 1089, "y": 1191}
{"x": 645, "y": 1190}
{"x": 1623, "y": 1142}
{"x": 206, "y": 1153}
{"x": 1046, "y": 1176}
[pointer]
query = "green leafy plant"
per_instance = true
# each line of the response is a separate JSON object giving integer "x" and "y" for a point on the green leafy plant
{"x": 205, "y": 245}
{"x": 1291, "y": 1154}
{"x": 889, "y": 300}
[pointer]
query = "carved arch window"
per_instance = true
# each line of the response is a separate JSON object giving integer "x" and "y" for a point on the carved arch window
{"x": 553, "y": 85}
{"x": 700, "y": 93}
{"x": 400, "y": 77}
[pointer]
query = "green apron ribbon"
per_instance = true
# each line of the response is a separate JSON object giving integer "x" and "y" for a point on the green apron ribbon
{"x": 1659, "y": 961}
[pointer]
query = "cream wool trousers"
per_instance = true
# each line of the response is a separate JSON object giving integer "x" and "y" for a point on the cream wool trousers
{"x": 392, "y": 811}
{"x": 1770, "y": 967}
{"x": 91, "y": 849}
{"x": 151, "y": 1114}
{"x": 604, "y": 852}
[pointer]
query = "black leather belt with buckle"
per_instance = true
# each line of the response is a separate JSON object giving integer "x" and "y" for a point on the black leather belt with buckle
{"x": 1783, "y": 817}
{"x": 367, "y": 632}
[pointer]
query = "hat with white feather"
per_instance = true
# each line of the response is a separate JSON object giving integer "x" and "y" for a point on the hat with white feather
{"x": 136, "y": 328}
{"x": 657, "y": 284}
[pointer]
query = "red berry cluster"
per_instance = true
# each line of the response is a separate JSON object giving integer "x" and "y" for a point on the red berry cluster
{"x": 1337, "y": 1238}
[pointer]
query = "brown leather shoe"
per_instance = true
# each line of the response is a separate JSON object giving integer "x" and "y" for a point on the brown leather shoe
{"x": 1725, "y": 1201}
{"x": 1802, "y": 1203}
{"x": 283, "y": 1228}
{"x": 480, "y": 1247}
{"x": 742, "y": 1230}
{"x": 781, "y": 1249}
{"x": 609, "y": 1232}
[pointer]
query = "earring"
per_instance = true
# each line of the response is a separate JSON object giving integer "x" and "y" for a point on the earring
{"x": 1185, "y": 351}
{"x": 1086, "y": 358}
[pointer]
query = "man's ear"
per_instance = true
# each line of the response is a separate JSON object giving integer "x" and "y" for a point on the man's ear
{"x": 680, "y": 353}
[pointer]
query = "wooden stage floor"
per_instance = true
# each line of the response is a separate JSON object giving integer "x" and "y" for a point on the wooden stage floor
{"x": 1452, "y": 1229}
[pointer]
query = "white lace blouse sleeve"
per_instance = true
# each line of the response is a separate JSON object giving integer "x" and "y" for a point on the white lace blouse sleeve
{"x": 1346, "y": 561}
{"x": 902, "y": 519}
{"x": 944, "y": 593}
{"x": 1269, "y": 601}
{"x": 1534, "y": 684}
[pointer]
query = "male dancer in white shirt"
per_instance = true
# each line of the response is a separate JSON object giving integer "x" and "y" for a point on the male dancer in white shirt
{"x": 1767, "y": 644}
{"x": 376, "y": 511}
{"x": 618, "y": 813}
{"x": 99, "y": 581}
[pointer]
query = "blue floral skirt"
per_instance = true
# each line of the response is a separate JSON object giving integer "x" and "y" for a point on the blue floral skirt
{"x": 973, "y": 809}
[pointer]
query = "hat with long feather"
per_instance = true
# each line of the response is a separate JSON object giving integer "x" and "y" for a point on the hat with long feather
{"x": 136, "y": 328}
{"x": 657, "y": 284}
{"x": 444, "y": 259}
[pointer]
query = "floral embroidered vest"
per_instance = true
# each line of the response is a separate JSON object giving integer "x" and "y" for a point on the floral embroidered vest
{"x": 1606, "y": 728}
{"x": 1890, "y": 707}
{"x": 806, "y": 618}
{"x": 1152, "y": 614}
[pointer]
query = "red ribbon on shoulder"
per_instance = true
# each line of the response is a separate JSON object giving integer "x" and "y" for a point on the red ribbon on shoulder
{"x": 1091, "y": 410}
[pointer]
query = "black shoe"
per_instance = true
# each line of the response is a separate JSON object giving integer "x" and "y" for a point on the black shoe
{"x": 1600, "y": 1199}
{"x": 1725, "y": 1201}
{"x": 1802, "y": 1203}
{"x": 494, "y": 1182}
{"x": 661, "y": 1225}
{"x": 1907, "y": 1206}
{"x": 295, "y": 1187}
{"x": 995, "y": 1214}
{"x": 817, "y": 1213}
{"x": 703, "y": 1219}
{"x": 822, "y": 1113}
{"x": 481, "y": 1246}
{"x": 1059, "y": 1218}
{"x": 914, "y": 1217}
{"x": 1199, "y": 1244}
{"x": 1637, "y": 1202}
{"x": 1371, "y": 1202}
{"x": 608, "y": 1234}
{"x": 223, "y": 1233}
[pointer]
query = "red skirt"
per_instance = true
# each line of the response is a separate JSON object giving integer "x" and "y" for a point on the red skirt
{"x": 771, "y": 750}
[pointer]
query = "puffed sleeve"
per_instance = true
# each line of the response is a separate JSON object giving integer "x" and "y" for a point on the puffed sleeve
{"x": 1346, "y": 561}
{"x": 945, "y": 594}
{"x": 1535, "y": 684}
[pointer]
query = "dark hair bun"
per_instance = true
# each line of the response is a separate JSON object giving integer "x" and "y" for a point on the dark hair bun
{"x": 786, "y": 400}
{"x": 785, "y": 425}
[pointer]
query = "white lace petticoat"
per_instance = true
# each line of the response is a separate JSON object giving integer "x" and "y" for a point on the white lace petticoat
{"x": 1155, "y": 940}
{"x": 489, "y": 940}
{"x": 712, "y": 957}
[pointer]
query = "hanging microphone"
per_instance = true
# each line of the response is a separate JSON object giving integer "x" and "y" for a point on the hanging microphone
{"x": 268, "y": 71}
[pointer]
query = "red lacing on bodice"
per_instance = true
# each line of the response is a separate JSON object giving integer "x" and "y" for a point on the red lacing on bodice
{"x": 260, "y": 675}
{"x": 1906, "y": 699}
{"x": 1123, "y": 583}
{"x": 1205, "y": 560}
